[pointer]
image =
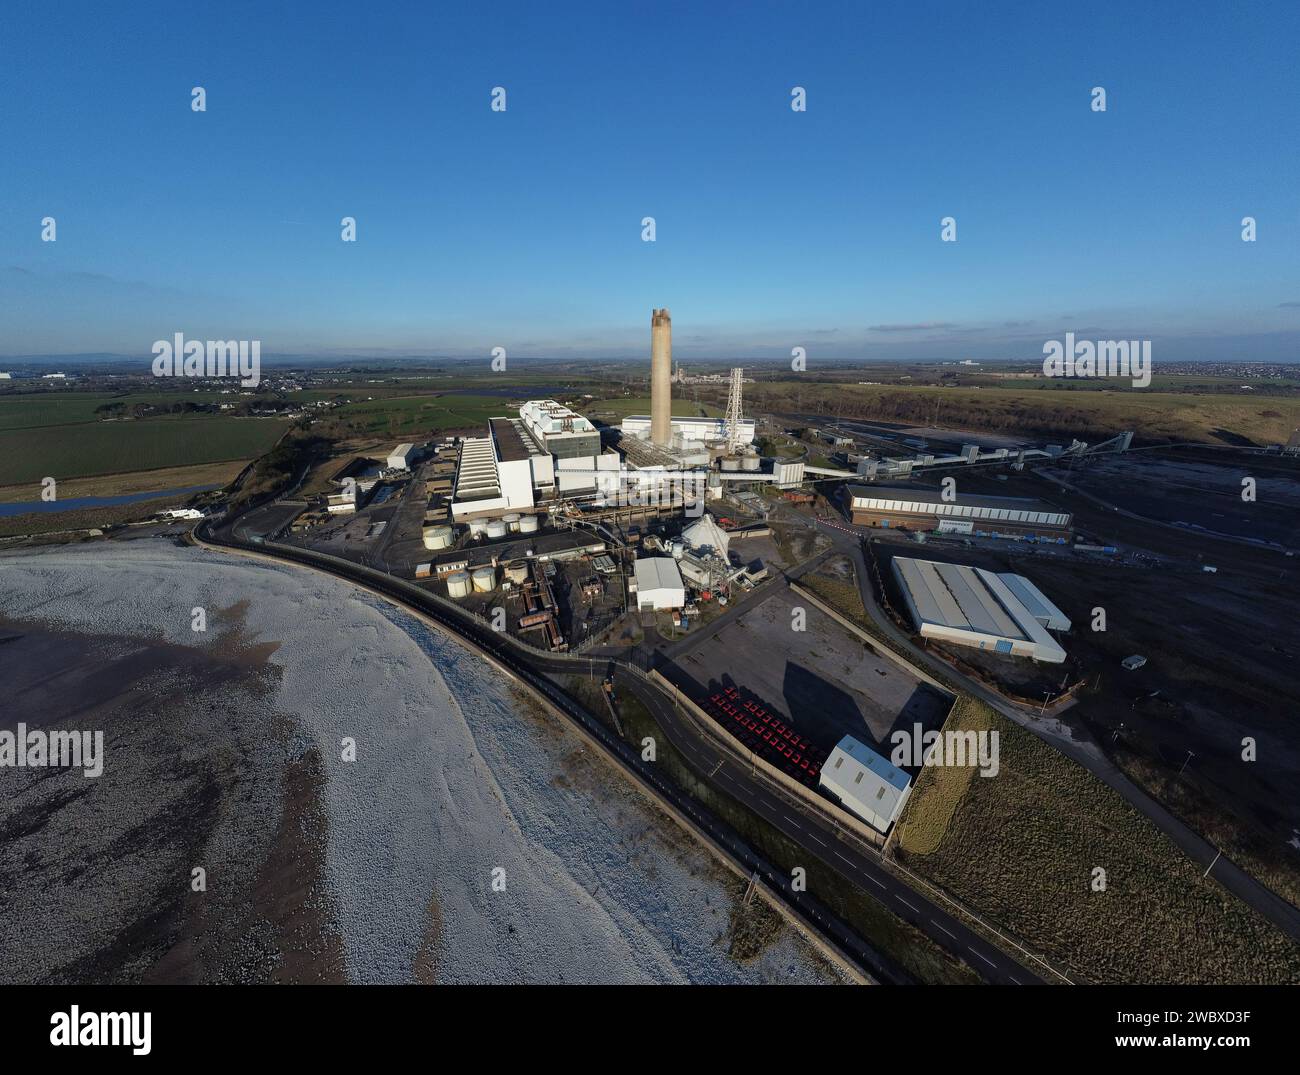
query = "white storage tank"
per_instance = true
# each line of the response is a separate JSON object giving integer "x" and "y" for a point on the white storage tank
{"x": 517, "y": 572}
{"x": 497, "y": 528}
{"x": 477, "y": 527}
{"x": 437, "y": 537}
{"x": 528, "y": 524}
{"x": 731, "y": 464}
{"x": 458, "y": 584}
{"x": 512, "y": 522}
{"x": 749, "y": 462}
{"x": 485, "y": 579}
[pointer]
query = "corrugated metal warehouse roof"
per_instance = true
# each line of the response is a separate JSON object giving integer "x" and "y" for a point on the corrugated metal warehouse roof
{"x": 916, "y": 495}
{"x": 657, "y": 573}
{"x": 1037, "y": 603}
{"x": 974, "y": 607}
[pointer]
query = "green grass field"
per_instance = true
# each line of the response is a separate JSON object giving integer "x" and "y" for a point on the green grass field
{"x": 1023, "y": 847}
{"x": 63, "y": 408}
{"x": 625, "y": 405}
{"x": 90, "y": 448}
{"x": 35, "y": 410}
{"x": 409, "y": 415}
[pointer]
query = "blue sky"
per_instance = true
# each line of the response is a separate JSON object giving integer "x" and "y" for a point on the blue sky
{"x": 774, "y": 228}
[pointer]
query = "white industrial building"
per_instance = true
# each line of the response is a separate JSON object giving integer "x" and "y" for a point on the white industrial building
{"x": 400, "y": 457}
{"x": 969, "y": 606}
{"x": 501, "y": 472}
{"x": 688, "y": 430}
{"x": 576, "y": 475}
{"x": 344, "y": 501}
{"x": 560, "y": 432}
{"x": 658, "y": 584}
{"x": 702, "y": 555}
{"x": 867, "y": 784}
{"x": 788, "y": 473}
{"x": 918, "y": 508}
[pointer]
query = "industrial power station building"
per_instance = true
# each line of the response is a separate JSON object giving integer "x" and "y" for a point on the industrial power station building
{"x": 560, "y": 431}
{"x": 550, "y": 453}
{"x": 501, "y": 472}
{"x": 925, "y": 509}
{"x": 969, "y": 606}
{"x": 687, "y": 431}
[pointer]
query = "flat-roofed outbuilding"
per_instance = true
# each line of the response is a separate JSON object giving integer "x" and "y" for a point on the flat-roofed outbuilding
{"x": 869, "y": 785}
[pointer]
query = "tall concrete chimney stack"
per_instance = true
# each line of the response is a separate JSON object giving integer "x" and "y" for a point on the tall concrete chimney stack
{"x": 661, "y": 377}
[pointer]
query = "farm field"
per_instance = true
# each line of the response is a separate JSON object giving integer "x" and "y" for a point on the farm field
{"x": 90, "y": 448}
{"x": 1088, "y": 413}
{"x": 625, "y": 405}
{"x": 410, "y": 415}
{"x": 147, "y": 481}
{"x": 1182, "y": 382}
{"x": 1023, "y": 848}
{"x": 37, "y": 409}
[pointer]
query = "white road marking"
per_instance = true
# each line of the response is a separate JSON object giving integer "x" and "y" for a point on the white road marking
{"x": 906, "y": 904}
{"x": 947, "y": 931}
{"x": 983, "y": 957}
